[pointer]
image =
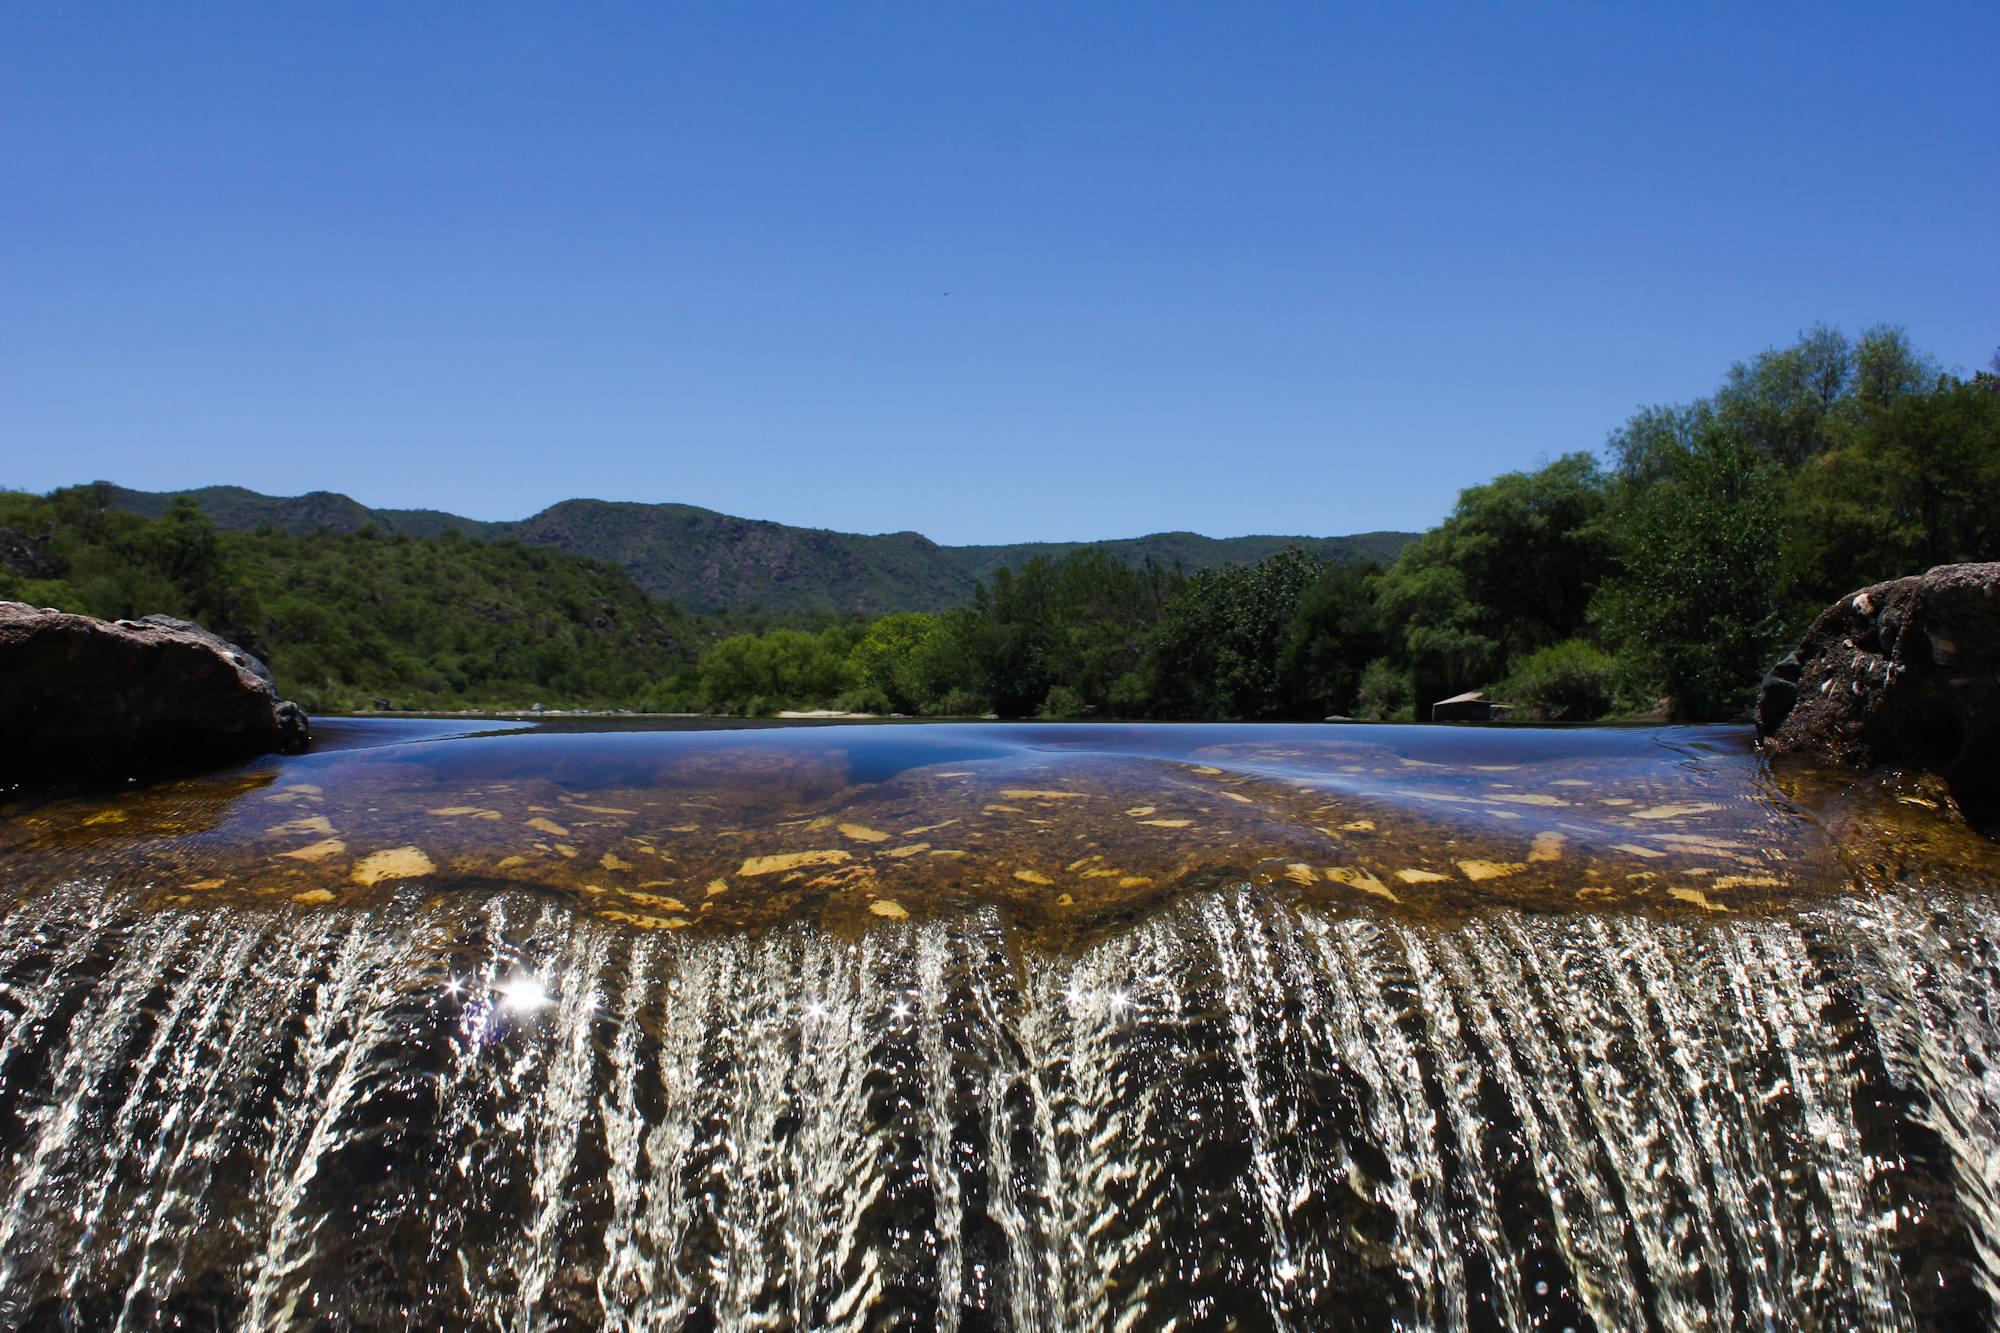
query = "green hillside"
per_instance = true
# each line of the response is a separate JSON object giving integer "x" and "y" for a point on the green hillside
{"x": 710, "y": 562}
{"x": 348, "y": 617}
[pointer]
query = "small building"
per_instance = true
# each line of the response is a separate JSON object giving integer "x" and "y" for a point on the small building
{"x": 1472, "y": 706}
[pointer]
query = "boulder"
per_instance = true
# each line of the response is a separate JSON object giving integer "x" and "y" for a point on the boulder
{"x": 81, "y": 697}
{"x": 1903, "y": 674}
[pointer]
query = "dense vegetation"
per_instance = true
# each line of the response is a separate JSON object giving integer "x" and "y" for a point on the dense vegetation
{"x": 348, "y": 618}
{"x": 1663, "y": 574}
{"x": 719, "y": 565}
{"x": 1660, "y": 577}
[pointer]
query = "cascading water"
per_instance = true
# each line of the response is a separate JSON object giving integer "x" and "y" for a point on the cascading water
{"x": 492, "y": 1108}
{"x": 1232, "y": 1114}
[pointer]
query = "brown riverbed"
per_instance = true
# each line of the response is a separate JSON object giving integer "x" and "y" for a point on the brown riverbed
{"x": 1066, "y": 828}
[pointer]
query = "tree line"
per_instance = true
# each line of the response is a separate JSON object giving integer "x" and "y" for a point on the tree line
{"x": 1658, "y": 575}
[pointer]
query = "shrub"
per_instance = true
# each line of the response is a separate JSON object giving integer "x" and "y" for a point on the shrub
{"x": 959, "y": 703}
{"x": 1572, "y": 681}
{"x": 1385, "y": 693}
{"x": 1062, "y": 701}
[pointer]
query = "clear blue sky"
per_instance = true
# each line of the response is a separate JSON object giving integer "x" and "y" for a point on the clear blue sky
{"x": 989, "y": 272}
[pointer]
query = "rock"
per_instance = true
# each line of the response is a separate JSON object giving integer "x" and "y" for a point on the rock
{"x": 1903, "y": 674}
{"x": 243, "y": 657}
{"x": 27, "y": 556}
{"x": 81, "y": 697}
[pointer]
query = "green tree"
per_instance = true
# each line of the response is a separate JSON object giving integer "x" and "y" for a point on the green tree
{"x": 1222, "y": 639}
{"x": 888, "y": 658}
{"x": 1691, "y": 605}
{"x": 1512, "y": 569}
{"x": 1911, "y": 484}
{"x": 757, "y": 673}
{"x": 1083, "y": 621}
{"x": 1336, "y": 631}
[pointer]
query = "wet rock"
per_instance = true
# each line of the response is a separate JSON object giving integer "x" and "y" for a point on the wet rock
{"x": 1903, "y": 674}
{"x": 81, "y": 697}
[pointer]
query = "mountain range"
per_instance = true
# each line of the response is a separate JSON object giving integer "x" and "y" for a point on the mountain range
{"x": 706, "y": 561}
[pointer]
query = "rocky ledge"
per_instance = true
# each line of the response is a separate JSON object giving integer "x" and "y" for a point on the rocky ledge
{"x": 88, "y": 698}
{"x": 1903, "y": 674}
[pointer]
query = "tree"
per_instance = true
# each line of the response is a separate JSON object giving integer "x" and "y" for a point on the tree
{"x": 886, "y": 658}
{"x": 1083, "y": 621}
{"x": 1692, "y": 603}
{"x": 1223, "y": 636}
{"x": 1912, "y": 484}
{"x": 757, "y": 673}
{"x": 1336, "y": 630}
{"x": 1512, "y": 569}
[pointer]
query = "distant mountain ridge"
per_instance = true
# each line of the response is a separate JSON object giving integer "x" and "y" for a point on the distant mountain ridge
{"x": 706, "y": 561}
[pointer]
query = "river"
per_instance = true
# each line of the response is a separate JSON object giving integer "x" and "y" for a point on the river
{"x": 1001, "y": 1026}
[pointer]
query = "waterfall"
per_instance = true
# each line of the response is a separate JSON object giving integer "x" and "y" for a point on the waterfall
{"x": 492, "y": 1110}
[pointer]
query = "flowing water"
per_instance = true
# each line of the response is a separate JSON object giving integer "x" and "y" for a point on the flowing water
{"x": 1001, "y": 1027}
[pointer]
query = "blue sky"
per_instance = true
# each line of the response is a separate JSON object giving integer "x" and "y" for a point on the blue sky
{"x": 992, "y": 273}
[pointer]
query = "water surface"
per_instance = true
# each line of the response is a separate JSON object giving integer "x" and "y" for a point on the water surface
{"x": 1000, "y": 1026}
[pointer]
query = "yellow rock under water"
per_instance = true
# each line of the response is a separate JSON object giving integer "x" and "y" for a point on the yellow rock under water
{"x": 1032, "y": 877}
{"x": 645, "y": 921}
{"x": 1748, "y": 882}
{"x": 1481, "y": 870}
{"x": 308, "y": 824}
{"x": 395, "y": 863}
{"x": 862, "y": 833}
{"x": 1356, "y": 878}
{"x": 317, "y": 851}
{"x": 769, "y": 865}
{"x": 890, "y": 908}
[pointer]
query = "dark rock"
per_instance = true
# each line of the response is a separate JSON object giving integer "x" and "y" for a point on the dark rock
{"x": 1777, "y": 693}
{"x": 27, "y": 556}
{"x": 88, "y": 698}
{"x": 243, "y": 657}
{"x": 1903, "y": 674}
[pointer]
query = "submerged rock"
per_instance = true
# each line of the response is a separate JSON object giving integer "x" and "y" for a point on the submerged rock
{"x": 1905, "y": 674}
{"x": 81, "y": 697}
